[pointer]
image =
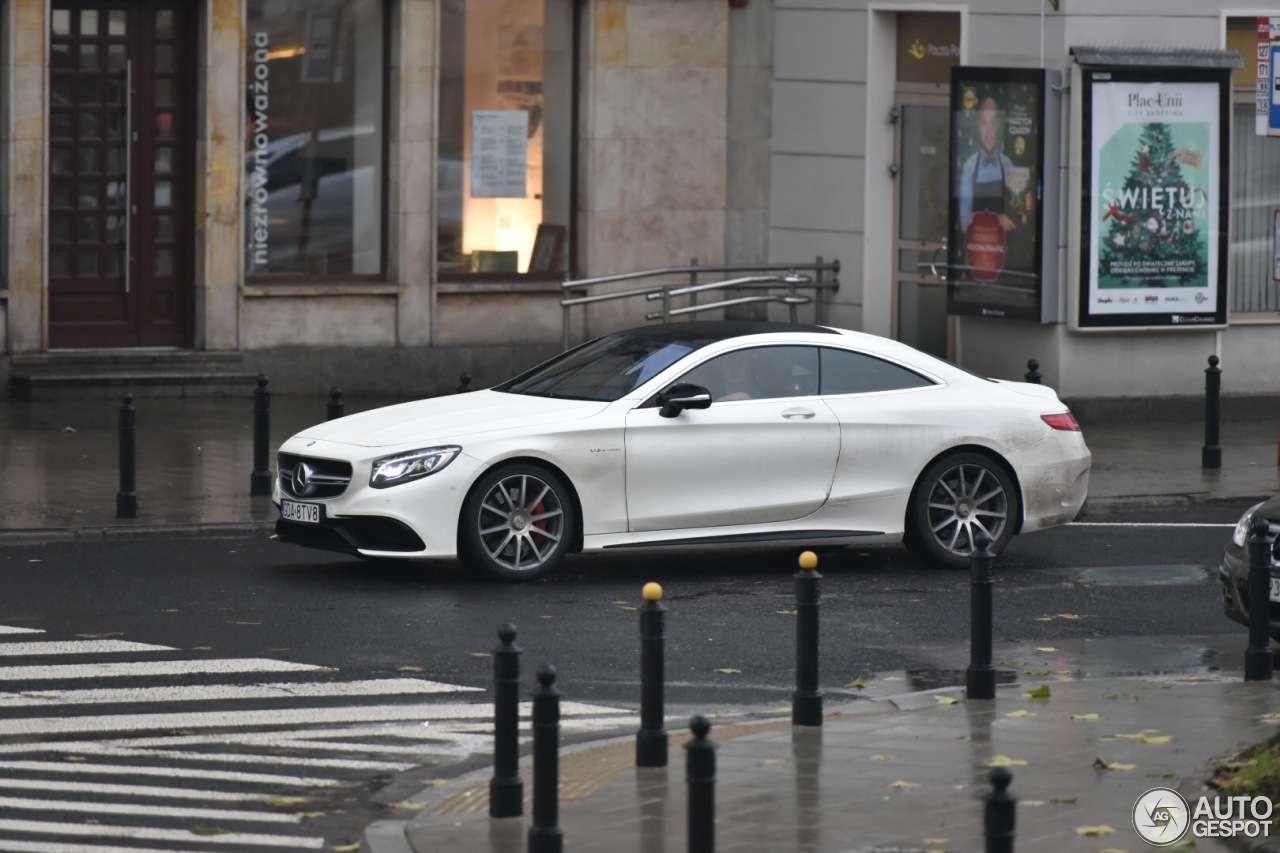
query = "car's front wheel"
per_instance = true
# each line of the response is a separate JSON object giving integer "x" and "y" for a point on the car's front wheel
{"x": 517, "y": 522}
{"x": 958, "y": 496}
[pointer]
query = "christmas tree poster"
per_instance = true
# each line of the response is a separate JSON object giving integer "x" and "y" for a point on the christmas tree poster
{"x": 1155, "y": 198}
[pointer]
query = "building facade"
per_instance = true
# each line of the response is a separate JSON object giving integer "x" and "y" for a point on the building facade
{"x": 381, "y": 193}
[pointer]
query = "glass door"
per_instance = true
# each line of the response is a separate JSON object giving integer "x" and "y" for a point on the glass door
{"x": 121, "y": 183}
{"x": 920, "y": 223}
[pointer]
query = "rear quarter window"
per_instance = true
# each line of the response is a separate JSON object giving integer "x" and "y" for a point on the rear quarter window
{"x": 845, "y": 372}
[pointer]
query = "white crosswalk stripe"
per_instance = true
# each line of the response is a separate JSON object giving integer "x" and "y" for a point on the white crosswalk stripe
{"x": 237, "y": 756}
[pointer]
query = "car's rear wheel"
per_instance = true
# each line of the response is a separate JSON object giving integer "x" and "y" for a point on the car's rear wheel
{"x": 958, "y": 496}
{"x": 517, "y": 522}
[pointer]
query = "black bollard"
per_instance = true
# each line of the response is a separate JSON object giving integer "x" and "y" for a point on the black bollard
{"x": 1033, "y": 372}
{"x": 980, "y": 679}
{"x": 700, "y": 776}
{"x": 260, "y": 479}
{"x": 545, "y": 835}
{"x": 335, "y": 403}
{"x": 1000, "y": 813}
{"x": 127, "y": 497}
{"x": 806, "y": 702}
{"x": 1257, "y": 658}
{"x": 464, "y": 383}
{"x": 651, "y": 739}
{"x": 1211, "y": 454}
{"x": 506, "y": 788}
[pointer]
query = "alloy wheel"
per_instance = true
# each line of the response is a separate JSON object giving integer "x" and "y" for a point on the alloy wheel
{"x": 521, "y": 522}
{"x": 963, "y": 500}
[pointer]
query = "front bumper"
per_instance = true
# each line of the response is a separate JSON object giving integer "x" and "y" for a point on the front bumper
{"x": 418, "y": 519}
{"x": 1233, "y": 581}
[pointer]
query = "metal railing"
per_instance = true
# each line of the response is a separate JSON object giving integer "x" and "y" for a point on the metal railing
{"x": 782, "y": 283}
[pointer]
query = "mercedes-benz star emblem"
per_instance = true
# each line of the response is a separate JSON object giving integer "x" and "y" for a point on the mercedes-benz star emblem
{"x": 302, "y": 485}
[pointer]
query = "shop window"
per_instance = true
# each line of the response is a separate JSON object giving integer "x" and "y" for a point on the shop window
{"x": 1255, "y": 187}
{"x": 314, "y": 142}
{"x": 505, "y": 139}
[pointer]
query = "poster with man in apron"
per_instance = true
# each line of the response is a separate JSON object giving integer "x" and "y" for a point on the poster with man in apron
{"x": 983, "y": 195}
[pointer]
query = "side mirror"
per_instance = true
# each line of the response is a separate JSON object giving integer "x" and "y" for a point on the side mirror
{"x": 681, "y": 396}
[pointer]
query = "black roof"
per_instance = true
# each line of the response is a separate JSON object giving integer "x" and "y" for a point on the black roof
{"x": 708, "y": 331}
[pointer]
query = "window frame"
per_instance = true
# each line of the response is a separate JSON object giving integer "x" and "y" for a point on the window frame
{"x": 531, "y": 280}
{"x": 270, "y": 281}
{"x": 930, "y": 381}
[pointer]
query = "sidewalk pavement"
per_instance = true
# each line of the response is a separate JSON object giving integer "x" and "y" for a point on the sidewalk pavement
{"x": 894, "y": 772}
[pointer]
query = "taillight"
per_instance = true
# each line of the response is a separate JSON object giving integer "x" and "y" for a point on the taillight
{"x": 1064, "y": 421}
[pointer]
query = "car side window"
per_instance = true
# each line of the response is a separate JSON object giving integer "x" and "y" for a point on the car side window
{"x": 758, "y": 373}
{"x": 845, "y": 372}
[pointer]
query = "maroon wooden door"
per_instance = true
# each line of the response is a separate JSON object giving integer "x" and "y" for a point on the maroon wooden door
{"x": 122, "y": 78}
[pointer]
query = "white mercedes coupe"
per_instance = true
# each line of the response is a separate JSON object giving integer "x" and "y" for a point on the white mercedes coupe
{"x": 692, "y": 434}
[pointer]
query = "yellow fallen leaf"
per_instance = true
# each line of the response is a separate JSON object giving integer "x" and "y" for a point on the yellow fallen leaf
{"x": 1045, "y": 649}
{"x": 935, "y": 840}
{"x": 409, "y": 804}
{"x": 892, "y": 678}
{"x": 102, "y": 636}
{"x": 1020, "y": 713}
{"x": 287, "y": 802}
{"x": 1044, "y": 618}
{"x": 73, "y": 758}
{"x": 1041, "y": 692}
{"x": 623, "y": 603}
{"x": 1086, "y": 716}
{"x": 202, "y": 648}
{"x": 208, "y": 830}
{"x": 1102, "y": 764}
{"x": 481, "y": 655}
{"x": 1270, "y": 718}
{"x": 1031, "y": 803}
{"x": 900, "y": 785}
{"x": 625, "y": 607}
{"x": 410, "y": 669}
{"x": 730, "y": 671}
{"x": 303, "y": 815}
{"x": 1006, "y": 761}
{"x": 347, "y": 848}
{"x": 769, "y": 762}
{"x": 1068, "y": 616}
{"x": 436, "y": 783}
{"x": 69, "y": 430}
{"x": 879, "y": 758}
{"x": 947, "y": 700}
{"x": 1094, "y": 831}
{"x": 858, "y": 683}
{"x": 1064, "y": 801}
{"x": 785, "y": 612}
{"x": 1158, "y": 739}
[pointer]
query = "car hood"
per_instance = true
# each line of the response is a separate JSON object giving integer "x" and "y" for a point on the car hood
{"x": 449, "y": 418}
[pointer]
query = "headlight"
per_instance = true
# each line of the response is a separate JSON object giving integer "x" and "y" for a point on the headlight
{"x": 1242, "y": 526}
{"x": 411, "y": 465}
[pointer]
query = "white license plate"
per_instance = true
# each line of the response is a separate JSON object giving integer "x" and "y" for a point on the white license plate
{"x": 294, "y": 511}
{"x": 1275, "y": 589}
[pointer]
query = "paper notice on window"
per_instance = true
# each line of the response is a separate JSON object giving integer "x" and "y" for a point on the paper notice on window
{"x": 499, "y": 153}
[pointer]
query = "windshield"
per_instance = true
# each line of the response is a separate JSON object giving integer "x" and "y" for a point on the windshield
{"x": 605, "y": 369}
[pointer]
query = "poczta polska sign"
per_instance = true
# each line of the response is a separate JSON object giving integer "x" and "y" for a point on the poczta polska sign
{"x": 1162, "y": 817}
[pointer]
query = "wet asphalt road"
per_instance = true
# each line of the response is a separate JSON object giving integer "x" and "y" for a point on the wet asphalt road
{"x": 1106, "y": 599}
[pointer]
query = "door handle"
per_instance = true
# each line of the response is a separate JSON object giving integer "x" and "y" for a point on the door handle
{"x": 802, "y": 414}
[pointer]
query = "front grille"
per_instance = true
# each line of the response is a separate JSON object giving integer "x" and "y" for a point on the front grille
{"x": 324, "y": 478}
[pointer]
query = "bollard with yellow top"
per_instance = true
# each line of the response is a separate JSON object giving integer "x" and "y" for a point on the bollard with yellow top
{"x": 806, "y": 702}
{"x": 651, "y": 739}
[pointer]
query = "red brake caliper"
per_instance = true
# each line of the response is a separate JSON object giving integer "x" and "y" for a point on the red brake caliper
{"x": 542, "y": 523}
